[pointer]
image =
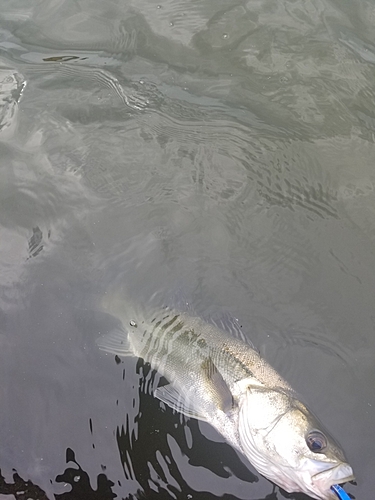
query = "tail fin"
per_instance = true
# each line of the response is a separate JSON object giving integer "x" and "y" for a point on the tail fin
{"x": 116, "y": 342}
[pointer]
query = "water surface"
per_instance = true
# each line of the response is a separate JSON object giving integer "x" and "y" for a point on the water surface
{"x": 218, "y": 153}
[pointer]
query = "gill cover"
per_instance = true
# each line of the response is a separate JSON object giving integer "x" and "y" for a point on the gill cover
{"x": 285, "y": 443}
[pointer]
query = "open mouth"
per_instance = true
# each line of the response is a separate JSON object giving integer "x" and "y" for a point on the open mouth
{"x": 336, "y": 475}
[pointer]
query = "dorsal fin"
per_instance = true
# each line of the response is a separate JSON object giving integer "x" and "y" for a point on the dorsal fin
{"x": 232, "y": 326}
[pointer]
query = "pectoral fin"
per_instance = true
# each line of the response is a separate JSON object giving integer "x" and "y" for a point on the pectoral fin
{"x": 216, "y": 385}
{"x": 172, "y": 398}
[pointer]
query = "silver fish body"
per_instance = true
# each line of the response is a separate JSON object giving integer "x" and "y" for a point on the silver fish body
{"x": 224, "y": 381}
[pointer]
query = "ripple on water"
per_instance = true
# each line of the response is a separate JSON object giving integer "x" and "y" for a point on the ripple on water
{"x": 12, "y": 85}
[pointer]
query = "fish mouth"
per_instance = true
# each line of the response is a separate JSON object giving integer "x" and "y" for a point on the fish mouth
{"x": 335, "y": 475}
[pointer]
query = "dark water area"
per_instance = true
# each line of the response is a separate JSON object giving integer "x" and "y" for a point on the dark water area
{"x": 219, "y": 153}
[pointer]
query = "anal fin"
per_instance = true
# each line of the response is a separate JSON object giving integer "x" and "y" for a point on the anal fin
{"x": 172, "y": 398}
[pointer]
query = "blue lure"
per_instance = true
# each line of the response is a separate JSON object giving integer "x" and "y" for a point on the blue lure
{"x": 340, "y": 492}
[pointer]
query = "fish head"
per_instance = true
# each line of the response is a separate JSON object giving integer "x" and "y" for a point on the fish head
{"x": 287, "y": 444}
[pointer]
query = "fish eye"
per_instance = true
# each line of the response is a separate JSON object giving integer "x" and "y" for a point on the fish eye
{"x": 316, "y": 441}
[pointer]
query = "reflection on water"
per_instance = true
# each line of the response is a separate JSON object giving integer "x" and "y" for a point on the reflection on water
{"x": 79, "y": 482}
{"x": 210, "y": 152}
{"x": 177, "y": 464}
{"x": 74, "y": 478}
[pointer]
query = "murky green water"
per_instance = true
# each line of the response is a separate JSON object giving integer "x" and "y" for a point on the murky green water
{"x": 216, "y": 152}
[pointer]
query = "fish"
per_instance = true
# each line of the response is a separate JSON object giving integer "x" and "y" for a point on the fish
{"x": 221, "y": 379}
